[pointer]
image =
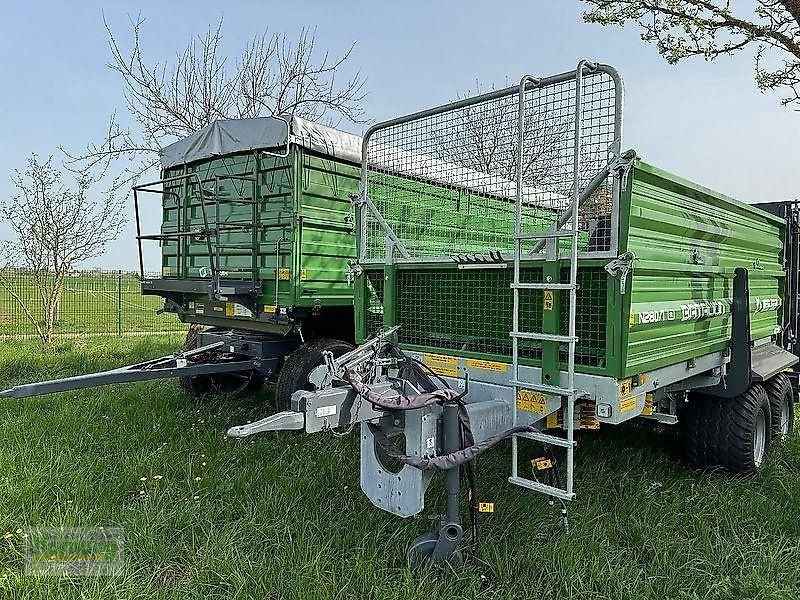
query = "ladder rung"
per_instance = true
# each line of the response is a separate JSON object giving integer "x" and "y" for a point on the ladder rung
{"x": 543, "y": 286}
{"x": 545, "y": 337}
{"x": 540, "y": 487}
{"x": 226, "y": 226}
{"x": 236, "y": 246}
{"x": 535, "y": 235}
{"x": 553, "y": 390}
{"x": 547, "y": 439}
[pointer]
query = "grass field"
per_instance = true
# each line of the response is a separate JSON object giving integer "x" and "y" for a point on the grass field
{"x": 93, "y": 302}
{"x": 281, "y": 515}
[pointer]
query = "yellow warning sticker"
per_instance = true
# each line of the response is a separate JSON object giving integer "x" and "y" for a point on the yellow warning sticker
{"x": 486, "y": 507}
{"x": 625, "y": 388}
{"x": 627, "y": 404}
{"x": 648, "y": 405}
{"x": 269, "y": 308}
{"x": 554, "y": 419}
{"x": 632, "y": 319}
{"x": 444, "y": 370}
{"x": 283, "y": 274}
{"x": 487, "y": 365}
{"x": 229, "y": 309}
{"x": 548, "y": 300}
{"x": 440, "y": 359}
{"x": 540, "y": 464}
{"x": 303, "y": 274}
{"x": 531, "y": 401}
{"x": 166, "y": 270}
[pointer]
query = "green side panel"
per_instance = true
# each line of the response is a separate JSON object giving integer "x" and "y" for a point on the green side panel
{"x": 434, "y": 220}
{"x": 326, "y": 232}
{"x": 687, "y": 241}
{"x": 305, "y": 229}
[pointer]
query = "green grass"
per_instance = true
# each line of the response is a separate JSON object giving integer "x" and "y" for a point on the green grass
{"x": 90, "y": 304}
{"x": 282, "y": 516}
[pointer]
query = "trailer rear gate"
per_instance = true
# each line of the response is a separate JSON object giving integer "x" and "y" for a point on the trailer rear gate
{"x": 305, "y": 229}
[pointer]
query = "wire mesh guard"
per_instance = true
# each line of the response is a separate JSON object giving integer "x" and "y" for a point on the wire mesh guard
{"x": 469, "y": 311}
{"x": 445, "y": 183}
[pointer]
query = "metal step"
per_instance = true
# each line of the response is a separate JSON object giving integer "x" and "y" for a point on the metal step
{"x": 229, "y": 226}
{"x": 235, "y": 246}
{"x": 236, "y": 200}
{"x": 236, "y": 269}
{"x": 544, "y": 286}
{"x": 552, "y": 390}
{"x": 545, "y": 438}
{"x": 537, "y": 235}
{"x": 541, "y": 487}
{"x": 545, "y": 337}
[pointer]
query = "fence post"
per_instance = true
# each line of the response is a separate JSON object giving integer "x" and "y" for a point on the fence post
{"x": 119, "y": 302}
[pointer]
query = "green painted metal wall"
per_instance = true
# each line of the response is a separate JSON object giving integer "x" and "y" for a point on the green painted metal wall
{"x": 687, "y": 241}
{"x": 306, "y": 233}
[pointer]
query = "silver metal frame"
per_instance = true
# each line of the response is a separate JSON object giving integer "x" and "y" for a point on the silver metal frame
{"x": 528, "y": 82}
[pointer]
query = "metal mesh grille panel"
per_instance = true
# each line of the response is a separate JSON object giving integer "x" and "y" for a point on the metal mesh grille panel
{"x": 470, "y": 310}
{"x": 446, "y": 183}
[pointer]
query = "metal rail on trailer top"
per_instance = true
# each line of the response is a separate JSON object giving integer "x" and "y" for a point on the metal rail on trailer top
{"x": 210, "y": 232}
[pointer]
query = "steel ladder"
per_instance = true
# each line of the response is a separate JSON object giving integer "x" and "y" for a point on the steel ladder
{"x": 551, "y": 238}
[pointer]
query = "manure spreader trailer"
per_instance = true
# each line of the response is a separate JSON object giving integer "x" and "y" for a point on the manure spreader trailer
{"x": 516, "y": 273}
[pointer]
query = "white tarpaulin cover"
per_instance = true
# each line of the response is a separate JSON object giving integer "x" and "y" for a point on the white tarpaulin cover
{"x": 228, "y": 136}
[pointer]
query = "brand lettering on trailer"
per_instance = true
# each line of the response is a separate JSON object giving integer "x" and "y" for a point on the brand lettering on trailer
{"x": 697, "y": 311}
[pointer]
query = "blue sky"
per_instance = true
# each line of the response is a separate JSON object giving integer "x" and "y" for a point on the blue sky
{"x": 704, "y": 121}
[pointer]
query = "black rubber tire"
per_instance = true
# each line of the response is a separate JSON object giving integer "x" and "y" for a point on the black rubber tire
{"x": 780, "y": 392}
{"x": 721, "y": 432}
{"x": 230, "y": 384}
{"x": 298, "y": 365}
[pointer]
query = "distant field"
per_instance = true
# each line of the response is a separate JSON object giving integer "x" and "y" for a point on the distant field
{"x": 281, "y": 516}
{"x": 91, "y": 304}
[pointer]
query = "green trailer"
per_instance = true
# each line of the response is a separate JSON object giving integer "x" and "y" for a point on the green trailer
{"x": 520, "y": 277}
{"x": 257, "y": 237}
{"x": 516, "y": 275}
{"x": 257, "y": 243}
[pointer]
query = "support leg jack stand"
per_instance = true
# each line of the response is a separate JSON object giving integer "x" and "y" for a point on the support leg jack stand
{"x": 441, "y": 547}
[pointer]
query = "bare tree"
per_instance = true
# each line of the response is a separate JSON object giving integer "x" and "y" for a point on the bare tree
{"x": 272, "y": 75}
{"x": 711, "y": 28}
{"x": 484, "y": 137}
{"x": 57, "y": 226}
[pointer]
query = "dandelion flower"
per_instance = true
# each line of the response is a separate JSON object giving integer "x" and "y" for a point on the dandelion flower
{"x": 158, "y": 477}
{"x": 19, "y": 531}
{"x": 142, "y": 478}
{"x": 7, "y": 535}
{"x": 204, "y": 464}
{"x": 196, "y": 497}
{"x": 197, "y": 478}
{"x": 141, "y": 492}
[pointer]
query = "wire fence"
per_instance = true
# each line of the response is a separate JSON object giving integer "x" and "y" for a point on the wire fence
{"x": 94, "y": 302}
